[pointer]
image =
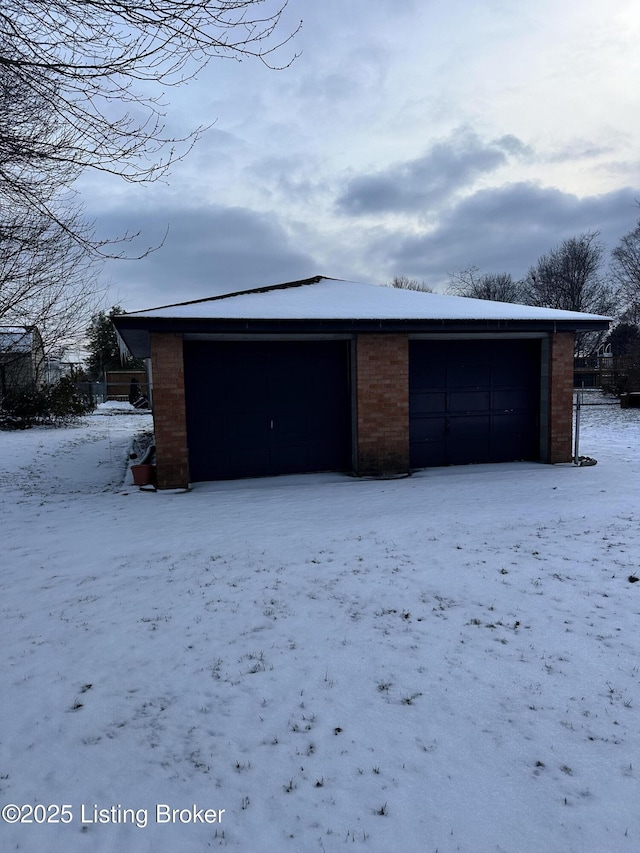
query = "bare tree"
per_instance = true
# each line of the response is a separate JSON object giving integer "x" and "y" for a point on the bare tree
{"x": 499, "y": 287}
{"x": 36, "y": 170}
{"x": 405, "y": 283}
{"x": 47, "y": 279}
{"x": 81, "y": 83}
{"x": 47, "y": 269}
{"x": 81, "y": 86}
{"x": 571, "y": 278}
{"x": 625, "y": 268}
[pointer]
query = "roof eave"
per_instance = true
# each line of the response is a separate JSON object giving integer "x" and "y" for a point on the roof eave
{"x": 136, "y": 331}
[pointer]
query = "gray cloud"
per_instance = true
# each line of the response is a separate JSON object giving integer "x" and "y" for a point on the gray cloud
{"x": 212, "y": 249}
{"x": 576, "y": 151}
{"x": 206, "y": 251}
{"x": 506, "y": 229}
{"x": 428, "y": 182}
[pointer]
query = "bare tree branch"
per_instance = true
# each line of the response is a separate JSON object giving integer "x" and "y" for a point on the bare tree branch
{"x": 82, "y": 84}
{"x": 625, "y": 268}
{"x": 499, "y": 287}
{"x": 570, "y": 277}
{"x": 46, "y": 278}
{"x": 405, "y": 283}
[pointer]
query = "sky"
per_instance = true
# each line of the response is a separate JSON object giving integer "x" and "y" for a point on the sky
{"x": 407, "y": 138}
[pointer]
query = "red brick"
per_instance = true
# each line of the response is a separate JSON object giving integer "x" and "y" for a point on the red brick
{"x": 169, "y": 412}
{"x": 560, "y": 438}
{"x": 382, "y": 404}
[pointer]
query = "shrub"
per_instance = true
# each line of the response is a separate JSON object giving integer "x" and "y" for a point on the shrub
{"x": 22, "y": 408}
{"x": 65, "y": 401}
{"x": 51, "y": 404}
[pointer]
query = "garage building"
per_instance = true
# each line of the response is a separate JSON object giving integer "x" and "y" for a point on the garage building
{"x": 330, "y": 375}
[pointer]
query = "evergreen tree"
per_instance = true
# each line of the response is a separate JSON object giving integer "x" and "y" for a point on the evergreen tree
{"x": 102, "y": 343}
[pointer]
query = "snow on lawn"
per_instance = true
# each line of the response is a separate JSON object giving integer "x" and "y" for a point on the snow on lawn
{"x": 445, "y": 662}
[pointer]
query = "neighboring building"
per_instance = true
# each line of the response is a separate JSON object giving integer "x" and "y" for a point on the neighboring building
{"x": 62, "y": 364}
{"x": 22, "y": 360}
{"x": 321, "y": 375}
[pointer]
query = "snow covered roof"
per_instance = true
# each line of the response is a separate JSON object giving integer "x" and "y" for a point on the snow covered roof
{"x": 333, "y": 299}
{"x": 15, "y": 339}
{"x": 326, "y": 305}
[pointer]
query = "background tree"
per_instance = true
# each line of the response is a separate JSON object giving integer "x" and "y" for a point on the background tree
{"x": 47, "y": 280}
{"x": 625, "y": 268}
{"x": 77, "y": 91}
{"x": 36, "y": 150}
{"x": 47, "y": 276}
{"x": 102, "y": 344}
{"x": 496, "y": 286}
{"x": 77, "y": 84}
{"x": 571, "y": 277}
{"x": 405, "y": 283}
{"x": 625, "y": 340}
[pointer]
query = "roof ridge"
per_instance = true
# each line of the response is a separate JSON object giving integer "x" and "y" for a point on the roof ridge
{"x": 316, "y": 279}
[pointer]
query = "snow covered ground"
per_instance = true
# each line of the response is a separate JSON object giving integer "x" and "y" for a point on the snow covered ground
{"x": 446, "y": 662}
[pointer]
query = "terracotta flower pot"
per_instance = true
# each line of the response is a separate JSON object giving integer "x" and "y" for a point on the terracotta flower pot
{"x": 143, "y": 475}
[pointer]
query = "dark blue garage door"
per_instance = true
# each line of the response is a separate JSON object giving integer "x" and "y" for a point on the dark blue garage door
{"x": 258, "y": 409}
{"x": 474, "y": 401}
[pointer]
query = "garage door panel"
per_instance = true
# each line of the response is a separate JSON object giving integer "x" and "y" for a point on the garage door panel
{"x": 257, "y": 409}
{"x": 285, "y": 386}
{"x": 511, "y": 423}
{"x": 425, "y": 402}
{"x": 215, "y": 461}
{"x": 487, "y": 410}
{"x": 247, "y": 425}
{"x": 471, "y": 450}
{"x": 511, "y": 428}
{"x": 511, "y": 399}
{"x": 290, "y": 458}
{"x": 469, "y": 427}
{"x": 429, "y": 429}
{"x": 289, "y": 422}
{"x": 429, "y": 372}
{"x": 518, "y": 362}
{"x": 249, "y": 462}
{"x": 237, "y": 390}
{"x": 469, "y": 401}
{"x": 322, "y": 458}
{"x": 468, "y": 374}
{"x": 217, "y": 426}
{"x": 427, "y": 454}
{"x": 510, "y": 434}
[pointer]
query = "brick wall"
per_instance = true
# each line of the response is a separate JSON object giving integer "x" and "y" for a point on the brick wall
{"x": 560, "y": 435}
{"x": 169, "y": 414}
{"x": 382, "y": 404}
